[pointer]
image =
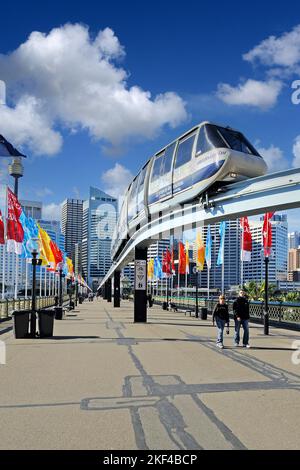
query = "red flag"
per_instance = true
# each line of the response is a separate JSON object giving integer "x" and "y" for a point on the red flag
{"x": 15, "y": 232}
{"x": 166, "y": 264}
{"x": 2, "y": 240}
{"x": 58, "y": 256}
{"x": 246, "y": 240}
{"x": 181, "y": 259}
{"x": 267, "y": 233}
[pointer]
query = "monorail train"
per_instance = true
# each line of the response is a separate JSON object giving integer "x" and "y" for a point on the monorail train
{"x": 205, "y": 156}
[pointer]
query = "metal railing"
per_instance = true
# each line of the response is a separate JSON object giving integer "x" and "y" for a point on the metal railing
{"x": 7, "y": 306}
{"x": 283, "y": 314}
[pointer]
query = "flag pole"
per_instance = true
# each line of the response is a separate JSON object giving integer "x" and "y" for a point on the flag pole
{"x": 41, "y": 280}
{"x": 242, "y": 254}
{"x": 4, "y": 251}
{"x": 223, "y": 267}
{"x": 26, "y": 278}
{"x": 45, "y": 283}
{"x": 16, "y": 276}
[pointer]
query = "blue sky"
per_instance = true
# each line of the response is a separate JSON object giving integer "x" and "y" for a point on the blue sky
{"x": 100, "y": 86}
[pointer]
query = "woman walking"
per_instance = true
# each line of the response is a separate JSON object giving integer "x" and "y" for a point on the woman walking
{"x": 221, "y": 317}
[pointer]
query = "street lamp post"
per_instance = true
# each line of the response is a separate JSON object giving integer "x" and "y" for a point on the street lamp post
{"x": 76, "y": 292}
{"x": 266, "y": 300}
{"x": 195, "y": 270}
{"x": 16, "y": 167}
{"x": 33, "y": 246}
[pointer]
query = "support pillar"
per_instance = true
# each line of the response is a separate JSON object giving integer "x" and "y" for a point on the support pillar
{"x": 140, "y": 286}
{"x": 109, "y": 290}
{"x": 117, "y": 288}
{"x": 105, "y": 291}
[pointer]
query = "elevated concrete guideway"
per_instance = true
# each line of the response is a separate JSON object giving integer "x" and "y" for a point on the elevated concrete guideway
{"x": 276, "y": 191}
{"x": 104, "y": 382}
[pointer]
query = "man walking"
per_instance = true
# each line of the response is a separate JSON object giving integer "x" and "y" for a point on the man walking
{"x": 241, "y": 318}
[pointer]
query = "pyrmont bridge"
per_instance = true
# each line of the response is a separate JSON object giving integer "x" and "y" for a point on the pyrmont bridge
{"x": 272, "y": 192}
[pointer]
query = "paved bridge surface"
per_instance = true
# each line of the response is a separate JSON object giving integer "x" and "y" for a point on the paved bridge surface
{"x": 104, "y": 382}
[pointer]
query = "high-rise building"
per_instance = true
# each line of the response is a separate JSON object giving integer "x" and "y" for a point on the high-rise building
{"x": 71, "y": 223}
{"x": 32, "y": 208}
{"x": 294, "y": 240}
{"x": 294, "y": 259}
{"x": 99, "y": 219}
{"x": 157, "y": 249}
{"x": 78, "y": 259}
{"x": 53, "y": 229}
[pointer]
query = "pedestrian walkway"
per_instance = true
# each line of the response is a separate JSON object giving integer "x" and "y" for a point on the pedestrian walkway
{"x": 104, "y": 382}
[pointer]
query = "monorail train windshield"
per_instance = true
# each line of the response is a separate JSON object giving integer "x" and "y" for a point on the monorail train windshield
{"x": 212, "y": 136}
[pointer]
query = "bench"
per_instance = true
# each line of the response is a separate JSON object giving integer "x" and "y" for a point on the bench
{"x": 174, "y": 308}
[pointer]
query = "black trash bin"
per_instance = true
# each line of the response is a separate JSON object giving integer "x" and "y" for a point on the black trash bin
{"x": 58, "y": 313}
{"x": 80, "y": 300}
{"x": 165, "y": 306}
{"x": 21, "y": 323}
{"x": 203, "y": 313}
{"x": 46, "y": 323}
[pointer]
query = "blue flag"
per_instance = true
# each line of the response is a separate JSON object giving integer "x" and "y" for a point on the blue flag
{"x": 158, "y": 268}
{"x": 31, "y": 230}
{"x": 222, "y": 229}
{"x": 208, "y": 248}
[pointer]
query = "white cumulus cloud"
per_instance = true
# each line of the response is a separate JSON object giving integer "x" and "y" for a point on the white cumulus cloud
{"x": 116, "y": 180}
{"x": 282, "y": 51}
{"x": 69, "y": 78}
{"x": 274, "y": 158}
{"x": 296, "y": 152}
{"x": 251, "y": 93}
{"x": 52, "y": 211}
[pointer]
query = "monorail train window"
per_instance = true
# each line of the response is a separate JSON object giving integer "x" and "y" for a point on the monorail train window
{"x": 184, "y": 151}
{"x": 208, "y": 139}
{"x": 237, "y": 141}
{"x": 132, "y": 201}
{"x": 157, "y": 166}
{"x": 168, "y": 158}
{"x": 140, "y": 191}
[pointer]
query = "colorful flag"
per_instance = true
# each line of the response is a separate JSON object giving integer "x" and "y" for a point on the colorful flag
{"x": 200, "y": 252}
{"x": 181, "y": 259}
{"x": 2, "y": 238}
{"x": 222, "y": 229}
{"x": 58, "y": 256}
{"x": 14, "y": 230}
{"x": 246, "y": 240}
{"x": 31, "y": 231}
{"x": 70, "y": 267}
{"x": 208, "y": 248}
{"x": 157, "y": 268}
{"x": 150, "y": 270}
{"x": 187, "y": 258}
{"x": 46, "y": 252}
{"x": 267, "y": 233}
{"x": 166, "y": 266}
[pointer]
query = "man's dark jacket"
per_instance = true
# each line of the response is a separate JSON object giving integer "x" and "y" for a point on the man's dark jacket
{"x": 241, "y": 308}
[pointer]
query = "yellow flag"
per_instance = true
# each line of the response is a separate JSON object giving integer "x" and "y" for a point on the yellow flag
{"x": 200, "y": 253}
{"x": 70, "y": 266}
{"x": 46, "y": 252}
{"x": 150, "y": 269}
